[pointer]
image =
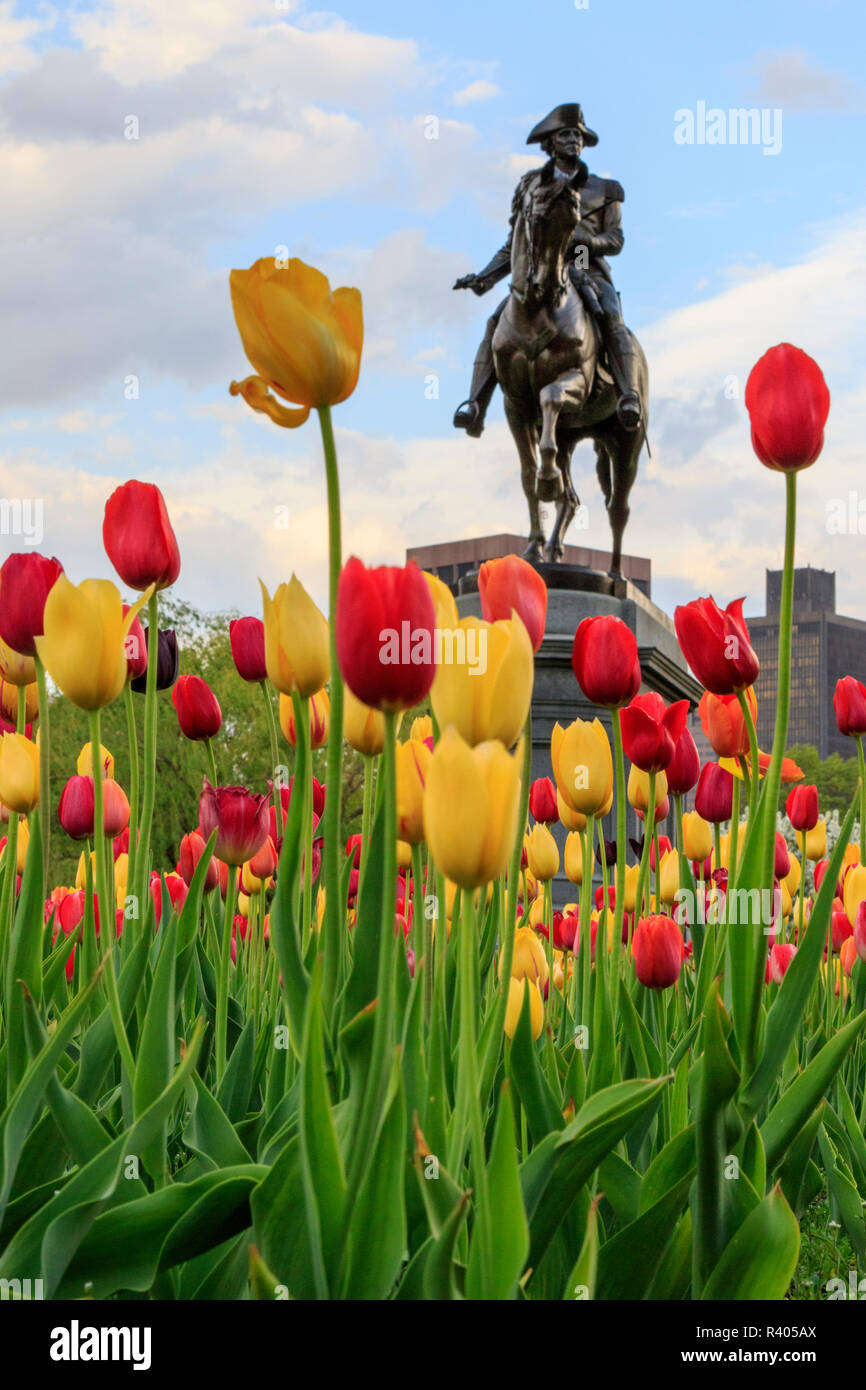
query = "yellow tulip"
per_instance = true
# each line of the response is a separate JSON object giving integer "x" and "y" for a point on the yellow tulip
{"x": 81, "y": 874}
{"x": 531, "y": 885}
{"x": 321, "y": 903}
{"x": 297, "y": 653}
{"x": 574, "y": 857}
{"x": 83, "y": 647}
{"x": 542, "y": 853}
{"x": 363, "y": 727}
{"x": 486, "y": 694}
{"x": 816, "y": 841}
{"x": 303, "y": 339}
{"x": 795, "y": 873}
{"x": 19, "y": 773}
{"x": 15, "y": 668}
{"x": 443, "y": 602}
{"x": 854, "y": 891}
{"x": 517, "y": 990}
{"x": 4, "y": 814}
{"x": 84, "y": 766}
{"x": 629, "y": 894}
{"x": 851, "y": 855}
{"x": 786, "y": 898}
{"x": 582, "y": 765}
{"x": 9, "y": 701}
{"x": 697, "y": 837}
{"x": 244, "y": 904}
{"x": 572, "y": 820}
{"x": 669, "y": 876}
{"x": 637, "y": 791}
{"x": 537, "y": 913}
{"x": 412, "y": 768}
{"x": 404, "y": 854}
{"x": 320, "y": 719}
{"x": 121, "y": 872}
{"x": 528, "y": 961}
{"x": 726, "y": 845}
{"x": 422, "y": 726}
{"x": 22, "y": 845}
{"x": 471, "y": 808}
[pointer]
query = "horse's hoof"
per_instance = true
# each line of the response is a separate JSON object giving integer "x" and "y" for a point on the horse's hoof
{"x": 534, "y": 553}
{"x": 553, "y": 554}
{"x": 549, "y": 487}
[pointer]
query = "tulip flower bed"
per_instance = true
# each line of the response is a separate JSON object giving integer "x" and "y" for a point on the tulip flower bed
{"x": 295, "y": 1067}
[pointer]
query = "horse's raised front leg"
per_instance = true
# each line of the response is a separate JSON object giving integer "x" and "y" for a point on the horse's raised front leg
{"x": 523, "y": 433}
{"x": 569, "y": 389}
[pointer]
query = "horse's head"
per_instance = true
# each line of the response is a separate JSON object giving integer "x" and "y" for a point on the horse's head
{"x": 550, "y": 215}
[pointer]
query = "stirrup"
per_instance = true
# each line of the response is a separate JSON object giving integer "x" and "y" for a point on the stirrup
{"x": 628, "y": 410}
{"x": 468, "y": 417}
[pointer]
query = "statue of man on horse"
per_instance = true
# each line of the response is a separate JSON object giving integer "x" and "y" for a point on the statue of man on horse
{"x": 568, "y": 366}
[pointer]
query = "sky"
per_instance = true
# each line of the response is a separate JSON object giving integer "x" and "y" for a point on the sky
{"x": 147, "y": 147}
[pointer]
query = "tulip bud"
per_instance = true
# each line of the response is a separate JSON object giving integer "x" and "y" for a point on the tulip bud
{"x": 543, "y": 854}
{"x": 638, "y": 789}
{"x": 511, "y": 585}
{"x": 816, "y": 841}
{"x": 16, "y": 669}
{"x": 849, "y": 706}
{"x": 320, "y": 707}
{"x": 471, "y": 805}
{"x": 528, "y": 960}
{"x": 297, "y": 643}
{"x": 802, "y": 807}
{"x": 714, "y": 794}
{"x": 697, "y": 836}
{"x": 413, "y": 764}
{"x": 138, "y": 538}
{"x": 574, "y": 856}
{"x": 192, "y": 847}
{"x": 19, "y": 773}
{"x": 167, "y": 661}
{"x": 788, "y": 403}
{"x": 605, "y": 661}
{"x": 658, "y": 950}
{"x": 198, "y": 711}
{"x": 684, "y": 768}
{"x": 26, "y": 580}
{"x": 517, "y": 991}
{"x": 247, "y": 639}
{"x": 542, "y": 801}
{"x": 363, "y": 727}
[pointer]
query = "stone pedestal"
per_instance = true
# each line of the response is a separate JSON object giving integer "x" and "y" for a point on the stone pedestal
{"x": 575, "y": 593}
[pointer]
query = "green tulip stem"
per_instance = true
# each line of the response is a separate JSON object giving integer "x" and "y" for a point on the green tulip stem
{"x": 619, "y": 893}
{"x": 509, "y": 927}
{"x": 105, "y": 897}
{"x": 733, "y": 841}
{"x": 211, "y": 759}
{"x": 222, "y": 999}
{"x": 275, "y": 756}
{"x": 370, "y": 763}
{"x": 801, "y": 894}
{"x": 584, "y": 945}
{"x": 334, "y": 924}
{"x": 44, "y": 772}
{"x": 151, "y": 714}
{"x": 645, "y": 857}
{"x": 862, "y": 762}
{"x": 469, "y": 1061}
{"x": 753, "y": 750}
{"x": 773, "y": 779}
{"x": 132, "y": 739}
{"x": 307, "y": 791}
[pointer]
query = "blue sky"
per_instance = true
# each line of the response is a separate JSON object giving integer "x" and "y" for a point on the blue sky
{"x": 263, "y": 125}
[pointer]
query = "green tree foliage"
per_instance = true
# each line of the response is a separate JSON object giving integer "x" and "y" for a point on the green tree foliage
{"x": 835, "y": 777}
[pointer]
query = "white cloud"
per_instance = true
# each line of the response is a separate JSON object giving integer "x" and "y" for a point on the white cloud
{"x": 482, "y": 90}
{"x": 792, "y": 80}
{"x": 16, "y": 32}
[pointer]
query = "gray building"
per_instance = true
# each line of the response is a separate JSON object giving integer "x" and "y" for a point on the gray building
{"x": 824, "y": 646}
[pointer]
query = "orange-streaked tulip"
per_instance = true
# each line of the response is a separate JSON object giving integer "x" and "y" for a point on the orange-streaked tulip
{"x": 15, "y": 668}
{"x": 528, "y": 961}
{"x": 83, "y": 645}
{"x": 320, "y": 719}
{"x": 9, "y": 701}
{"x": 297, "y": 651}
{"x": 471, "y": 806}
{"x": 853, "y": 889}
{"x": 422, "y": 727}
{"x": 484, "y": 683}
{"x": 303, "y": 339}
{"x": 84, "y": 765}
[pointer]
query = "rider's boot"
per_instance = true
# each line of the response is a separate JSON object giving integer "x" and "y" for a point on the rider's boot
{"x": 624, "y": 363}
{"x": 469, "y": 415}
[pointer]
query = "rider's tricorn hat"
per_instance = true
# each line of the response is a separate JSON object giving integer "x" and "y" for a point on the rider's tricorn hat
{"x": 567, "y": 117}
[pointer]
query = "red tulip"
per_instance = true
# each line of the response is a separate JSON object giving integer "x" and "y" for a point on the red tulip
{"x": 25, "y": 583}
{"x": 264, "y": 862}
{"x": 177, "y": 891}
{"x": 240, "y": 819}
{"x": 138, "y": 538}
{"x": 715, "y": 643}
{"x": 120, "y": 844}
{"x": 860, "y": 930}
{"x": 353, "y": 849}
{"x": 802, "y": 807}
{"x": 192, "y": 847}
{"x": 663, "y": 810}
{"x": 605, "y": 661}
{"x": 658, "y": 949}
{"x": 565, "y": 931}
{"x": 135, "y": 648}
{"x": 788, "y": 404}
{"x": 76, "y": 811}
{"x": 247, "y": 638}
{"x": 665, "y": 847}
{"x": 714, "y": 795}
{"x": 385, "y": 634}
{"x": 651, "y": 730}
{"x": 542, "y": 801}
{"x": 849, "y": 705}
{"x": 723, "y": 723}
{"x": 841, "y": 929}
{"x": 819, "y": 871}
{"x": 782, "y": 861}
{"x": 684, "y": 768}
{"x": 512, "y": 585}
{"x": 778, "y": 960}
{"x": 198, "y": 711}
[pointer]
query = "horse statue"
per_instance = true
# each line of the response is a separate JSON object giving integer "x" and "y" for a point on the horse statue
{"x": 546, "y": 351}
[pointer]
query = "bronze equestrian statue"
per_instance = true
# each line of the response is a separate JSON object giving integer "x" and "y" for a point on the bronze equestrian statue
{"x": 568, "y": 366}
